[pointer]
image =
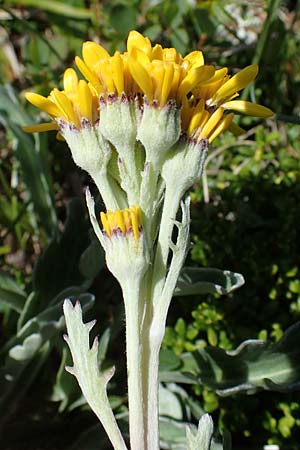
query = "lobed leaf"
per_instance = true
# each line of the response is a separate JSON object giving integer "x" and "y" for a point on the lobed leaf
{"x": 255, "y": 364}
{"x": 195, "y": 281}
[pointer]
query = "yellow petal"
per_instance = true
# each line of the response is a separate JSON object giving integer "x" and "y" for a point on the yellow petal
{"x": 208, "y": 88}
{"x": 218, "y": 76}
{"x": 89, "y": 75}
{"x": 141, "y": 77}
{"x": 45, "y": 104}
{"x": 194, "y": 77}
{"x": 167, "y": 83}
{"x": 236, "y": 83}
{"x": 85, "y": 100}
{"x": 196, "y": 117}
{"x": 204, "y": 118}
{"x": 120, "y": 220}
{"x": 171, "y": 55}
{"x": 212, "y": 123}
{"x": 157, "y": 52}
{"x": 140, "y": 56}
{"x": 105, "y": 72}
{"x": 127, "y": 219}
{"x": 156, "y": 72}
{"x": 137, "y": 40}
{"x": 221, "y": 127}
{"x": 92, "y": 53}
{"x": 251, "y": 109}
{"x": 105, "y": 223}
{"x": 40, "y": 127}
{"x": 70, "y": 81}
{"x": 176, "y": 80}
{"x": 134, "y": 223}
{"x": 65, "y": 106}
{"x": 118, "y": 72}
{"x": 195, "y": 59}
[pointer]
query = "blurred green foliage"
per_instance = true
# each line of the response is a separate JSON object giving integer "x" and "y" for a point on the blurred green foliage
{"x": 245, "y": 219}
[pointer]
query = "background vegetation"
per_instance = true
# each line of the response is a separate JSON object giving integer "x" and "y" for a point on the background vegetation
{"x": 245, "y": 219}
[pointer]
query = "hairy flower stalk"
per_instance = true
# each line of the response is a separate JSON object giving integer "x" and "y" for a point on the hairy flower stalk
{"x": 140, "y": 124}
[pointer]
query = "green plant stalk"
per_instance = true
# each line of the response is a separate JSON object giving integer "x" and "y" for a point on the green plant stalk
{"x": 154, "y": 331}
{"x": 152, "y": 407}
{"x": 132, "y": 300}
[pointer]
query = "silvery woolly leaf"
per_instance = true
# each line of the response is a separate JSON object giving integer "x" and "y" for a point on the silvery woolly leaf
{"x": 199, "y": 281}
{"x": 201, "y": 439}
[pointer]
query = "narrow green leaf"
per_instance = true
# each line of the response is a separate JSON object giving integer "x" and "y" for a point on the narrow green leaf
{"x": 10, "y": 293}
{"x": 55, "y": 7}
{"x": 174, "y": 376}
{"x": 28, "y": 152}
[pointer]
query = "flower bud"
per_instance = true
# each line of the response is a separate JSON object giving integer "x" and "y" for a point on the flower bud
{"x": 184, "y": 165}
{"x": 158, "y": 130}
{"x": 90, "y": 150}
{"x": 124, "y": 243}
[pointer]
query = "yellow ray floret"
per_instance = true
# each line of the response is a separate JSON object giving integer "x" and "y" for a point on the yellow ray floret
{"x": 236, "y": 83}
{"x": 124, "y": 221}
{"x": 193, "y": 60}
{"x": 154, "y": 74}
{"x": 251, "y": 109}
{"x": 202, "y": 124}
{"x": 39, "y": 128}
{"x": 77, "y": 101}
{"x": 137, "y": 40}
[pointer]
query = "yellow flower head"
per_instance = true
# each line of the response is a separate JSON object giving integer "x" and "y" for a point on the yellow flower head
{"x": 77, "y": 104}
{"x": 122, "y": 222}
{"x": 159, "y": 74}
{"x": 156, "y": 75}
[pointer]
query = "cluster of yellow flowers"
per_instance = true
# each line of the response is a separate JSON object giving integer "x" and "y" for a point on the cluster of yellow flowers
{"x": 123, "y": 221}
{"x": 153, "y": 74}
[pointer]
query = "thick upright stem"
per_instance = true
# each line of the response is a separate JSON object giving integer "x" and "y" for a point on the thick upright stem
{"x": 132, "y": 299}
{"x": 152, "y": 406}
{"x": 153, "y": 333}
